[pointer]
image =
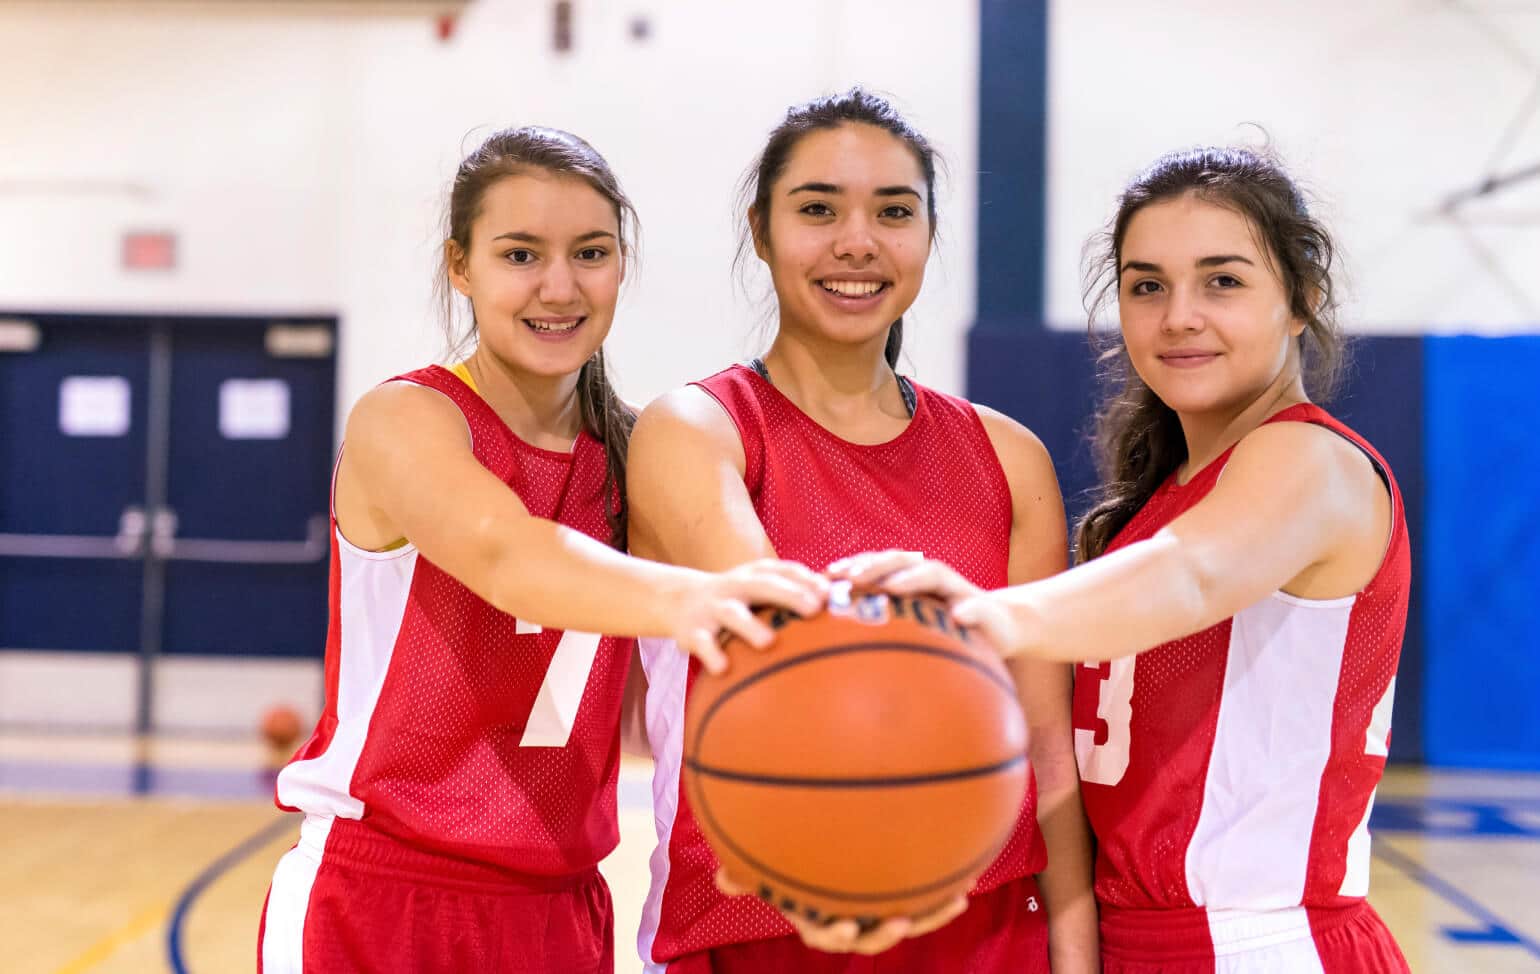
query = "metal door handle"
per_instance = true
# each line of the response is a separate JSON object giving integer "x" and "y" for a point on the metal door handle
{"x": 165, "y": 544}
{"x": 127, "y": 543}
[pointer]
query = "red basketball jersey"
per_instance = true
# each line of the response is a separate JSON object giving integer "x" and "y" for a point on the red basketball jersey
{"x": 1234, "y": 769}
{"x": 938, "y": 488}
{"x": 453, "y": 726}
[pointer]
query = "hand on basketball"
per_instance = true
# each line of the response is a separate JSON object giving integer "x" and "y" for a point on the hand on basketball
{"x": 904, "y": 573}
{"x": 911, "y": 573}
{"x": 845, "y": 936}
{"x": 721, "y": 604}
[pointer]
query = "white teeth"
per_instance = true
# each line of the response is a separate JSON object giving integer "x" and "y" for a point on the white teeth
{"x": 548, "y": 327}
{"x": 852, "y": 289}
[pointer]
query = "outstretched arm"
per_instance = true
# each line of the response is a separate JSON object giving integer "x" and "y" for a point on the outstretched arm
{"x": 408, "y": 471}
{"x": 1298, "y": 509}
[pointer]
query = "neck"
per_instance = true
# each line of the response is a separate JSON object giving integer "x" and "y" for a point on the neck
{"x": 541, "y": 410}
{"x": 834, "y": 382}
{"x": 1209, "y": 434}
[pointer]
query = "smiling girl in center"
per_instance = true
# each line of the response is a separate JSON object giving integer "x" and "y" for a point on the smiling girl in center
{"x": 816, "y": 452}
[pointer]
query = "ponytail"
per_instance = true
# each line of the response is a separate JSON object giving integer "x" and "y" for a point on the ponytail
{"x": 609, "y": 420}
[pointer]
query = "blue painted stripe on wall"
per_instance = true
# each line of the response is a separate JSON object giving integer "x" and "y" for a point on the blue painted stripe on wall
{"x": 1482, "y": 567}
{"x": 1013, "y": 133}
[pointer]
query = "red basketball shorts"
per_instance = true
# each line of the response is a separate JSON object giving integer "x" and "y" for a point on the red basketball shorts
{"x": 348, "y": 898}
{"x": 1003, "y": 931}
{"x": 1346, "y": 940}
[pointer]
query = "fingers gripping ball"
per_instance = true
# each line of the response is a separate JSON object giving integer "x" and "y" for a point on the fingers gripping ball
{"x": 870, "y": 764}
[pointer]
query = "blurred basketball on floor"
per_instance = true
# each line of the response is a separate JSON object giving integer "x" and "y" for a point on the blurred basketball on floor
{"x": 281, "y": 727}
{"x": 870, "y": 763}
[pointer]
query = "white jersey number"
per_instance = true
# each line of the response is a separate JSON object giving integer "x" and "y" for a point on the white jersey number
{"x": 1102, "y": 744}
{"x": 556, "y": 705}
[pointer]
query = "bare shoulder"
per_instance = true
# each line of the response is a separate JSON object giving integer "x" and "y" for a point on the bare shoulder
{"x": 393, "y": 409}
{"x": 1305, "y": 452}
{"x": 1020, "y": 451}
{"x": 686, "y": 421}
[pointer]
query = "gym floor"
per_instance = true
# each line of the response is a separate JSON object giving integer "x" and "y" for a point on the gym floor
{"x": 118, "y": 855}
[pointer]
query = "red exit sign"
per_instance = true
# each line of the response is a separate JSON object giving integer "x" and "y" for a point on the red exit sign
{"x": 149, "y": 250}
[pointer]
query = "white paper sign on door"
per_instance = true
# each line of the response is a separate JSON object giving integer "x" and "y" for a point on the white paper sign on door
{"x": 254, "y": 409}
{"x": 94, "y": 405}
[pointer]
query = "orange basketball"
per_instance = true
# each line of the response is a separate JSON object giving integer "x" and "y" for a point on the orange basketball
{"x": 871, "y": 763}
{"x": 281, "y": 727}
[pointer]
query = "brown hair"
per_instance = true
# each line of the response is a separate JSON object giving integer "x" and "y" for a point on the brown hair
{"x": 856, "y": 106}
{"x": 508, "y": 153}
{"x": 1139, "y": 441}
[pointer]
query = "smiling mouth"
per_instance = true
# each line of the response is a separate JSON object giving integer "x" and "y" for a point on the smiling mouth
{"x": 556, "y": 326}
{"x": 853, "y": 289}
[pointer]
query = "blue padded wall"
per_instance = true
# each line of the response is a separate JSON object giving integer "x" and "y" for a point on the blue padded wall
{"x": 1482, "y": 568}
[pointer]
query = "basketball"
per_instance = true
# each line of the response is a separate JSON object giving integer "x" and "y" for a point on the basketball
{"x": 281, "y": 727}
{"x": 869, "y": 764}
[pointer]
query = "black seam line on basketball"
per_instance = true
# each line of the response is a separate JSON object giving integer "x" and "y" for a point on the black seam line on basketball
{"x": 1004, "y": 685}
{"x": 793, "y": 781}
{"x": 976, "y": 866}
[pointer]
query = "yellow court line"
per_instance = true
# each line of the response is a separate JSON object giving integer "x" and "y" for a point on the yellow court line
{"x": 108, "y": 945}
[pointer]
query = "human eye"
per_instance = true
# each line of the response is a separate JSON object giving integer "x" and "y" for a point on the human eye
{"x": 1225, "y": 281}
{"x": 592, "y": 255}
{"x": 520, "y": 255}
{"x": 896, "y": 212}
{"x": 1144, "y": 287}
{"x": 816, "y": 209}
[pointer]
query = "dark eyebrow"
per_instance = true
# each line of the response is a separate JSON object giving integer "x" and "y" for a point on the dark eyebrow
{"x": 1224, "y": 259}
{"x": 522, "y": 237}
{"x": 1214, "y": 261}
{"x": 829, "y": 188}
{"x": 834, "y": 190}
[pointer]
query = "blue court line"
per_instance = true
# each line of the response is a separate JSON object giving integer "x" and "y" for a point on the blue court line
{"x": 206, "y": 878}
{"x": 128, "y": 779}
{"x": 1496, "y": 930}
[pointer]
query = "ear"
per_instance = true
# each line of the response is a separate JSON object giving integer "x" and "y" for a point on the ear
{"x": 761, "y": 247}
{"x": 454, "y": 263}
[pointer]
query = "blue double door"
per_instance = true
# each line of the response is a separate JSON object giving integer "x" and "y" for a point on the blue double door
{"x": 163, "y": 485}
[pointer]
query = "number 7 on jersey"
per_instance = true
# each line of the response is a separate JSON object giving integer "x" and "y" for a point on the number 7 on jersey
{"x": 561, "y": 692}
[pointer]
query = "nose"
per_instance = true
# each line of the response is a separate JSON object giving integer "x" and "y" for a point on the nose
{"x": 854, "y": 240}
{"x": 558, "y": 286}
{"x": 1181, "y": 312}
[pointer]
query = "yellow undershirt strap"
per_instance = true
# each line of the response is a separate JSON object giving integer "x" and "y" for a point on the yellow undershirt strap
{"x": 463, "y": 373}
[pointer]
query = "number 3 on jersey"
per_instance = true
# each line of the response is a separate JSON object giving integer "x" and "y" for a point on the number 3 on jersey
{"x": 561, "y": 691}
{"x": 1104, "y": 695}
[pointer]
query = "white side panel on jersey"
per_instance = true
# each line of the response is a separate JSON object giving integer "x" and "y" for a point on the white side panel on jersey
{"x": 1377, "y": 737}
{"x": 374, "y": 589}
{"x": 1276, "y": 942}
{"x": 1355, "y": 882}
{"x": 1105, "y": 764}
{"x": 561, "y": 691}
{"x": 1251, "y": 846}
{"x": 283, "y": 928}
{"x": 668, "y": 672}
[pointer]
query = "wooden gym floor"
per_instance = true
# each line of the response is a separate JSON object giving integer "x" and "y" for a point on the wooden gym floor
{"x": 123, "y": 857}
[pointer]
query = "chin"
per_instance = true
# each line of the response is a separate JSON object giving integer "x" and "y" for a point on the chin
{"x": 848, "y": 332}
